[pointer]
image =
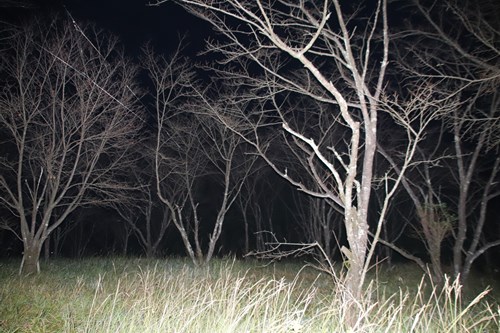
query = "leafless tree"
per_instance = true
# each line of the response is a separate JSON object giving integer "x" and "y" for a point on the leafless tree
{"x": 68, "y": 119}
{"x": 319, "y": 219}
{"x": 320, "y": 223}
{"x": 318, "y": 50}
{"x": 231, "y": 166}
{"x": 476, "y": 185}
{"x": 199, "y": 147}
{"x": 250, "y": 200}
{"x": 152, "y": 236}
{"x": 191, "y": 144}
{"x": 434, "y": 220}
{"x": 249, "y": 206}
{"x": 140, "y": 220}
{"x": 178, "y": 166}
{"x": 177, "y": 163}
{"x": 458, "y": 50}
{"x": 144, "y": 216}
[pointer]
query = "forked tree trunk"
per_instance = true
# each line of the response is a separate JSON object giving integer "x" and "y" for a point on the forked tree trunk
{"x": 31, "y": 257}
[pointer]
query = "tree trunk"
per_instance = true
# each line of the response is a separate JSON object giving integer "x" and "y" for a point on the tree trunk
{"x": 57, "y": 240}
{"x": 125, "y": 243}
{"x": 149, "y": 253}
{"x": 357, "y": 237}
{"x": 31, "y": 257}
{"x": 247, "y": 236}
{"x": 385, "y": 250}
{"x": 437, "y": 267}
{"x": 46, "y": 248}
{"x": 353, "y": 280}
{"x": 458, "y": 247}
{"x": 353, "y": 292}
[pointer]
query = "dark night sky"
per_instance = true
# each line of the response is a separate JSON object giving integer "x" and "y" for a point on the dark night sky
{"x": 132, "y": 20}
{"x": 136, "y": 23}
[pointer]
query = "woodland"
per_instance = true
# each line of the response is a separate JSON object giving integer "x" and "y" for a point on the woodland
{"x": 329, "y": 131}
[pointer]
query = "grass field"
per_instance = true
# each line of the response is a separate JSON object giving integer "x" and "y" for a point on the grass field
{"x": 170, "y": 295}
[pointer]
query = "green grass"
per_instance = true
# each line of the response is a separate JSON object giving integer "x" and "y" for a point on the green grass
{"x": 170, "y": 295}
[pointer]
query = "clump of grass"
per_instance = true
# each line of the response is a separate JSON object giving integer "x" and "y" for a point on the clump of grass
{"x": 138, "y": 295}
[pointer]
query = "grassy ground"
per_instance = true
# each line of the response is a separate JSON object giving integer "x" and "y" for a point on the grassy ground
{"x": 139, "y": 295}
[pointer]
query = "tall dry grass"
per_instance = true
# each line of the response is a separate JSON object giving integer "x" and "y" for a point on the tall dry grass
{"x": 227, "y": 296}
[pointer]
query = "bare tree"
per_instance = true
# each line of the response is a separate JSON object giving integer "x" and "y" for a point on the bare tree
{"x": 319, "y": 219}
{"x": 177, "y": 163}
{"x": 460, "y": 55}
{"x": 152, "y": 233}
{"x": 257, "y": 201}
{"x": 189, "y": 145}
{"x": 434, "y": 220}
{"x": 281, "y": 50}
{"x": 199, "y": 147}
{"x": 140, "y": 220}
{"x": 226, "y": 152}
{"x": 320, "y": 223}
{"x": 249, "y": 207}
{"x": 69, "y": 119}
{"x": 303, "y": 32}
{"x": 476, "y": 185}
{"x": 144, "y": 216}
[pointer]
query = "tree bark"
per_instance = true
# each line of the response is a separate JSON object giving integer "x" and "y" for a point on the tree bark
{"x": 31, "y": 257}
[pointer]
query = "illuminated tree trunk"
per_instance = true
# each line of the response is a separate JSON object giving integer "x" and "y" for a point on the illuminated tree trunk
{"x": 31, "y": 256}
